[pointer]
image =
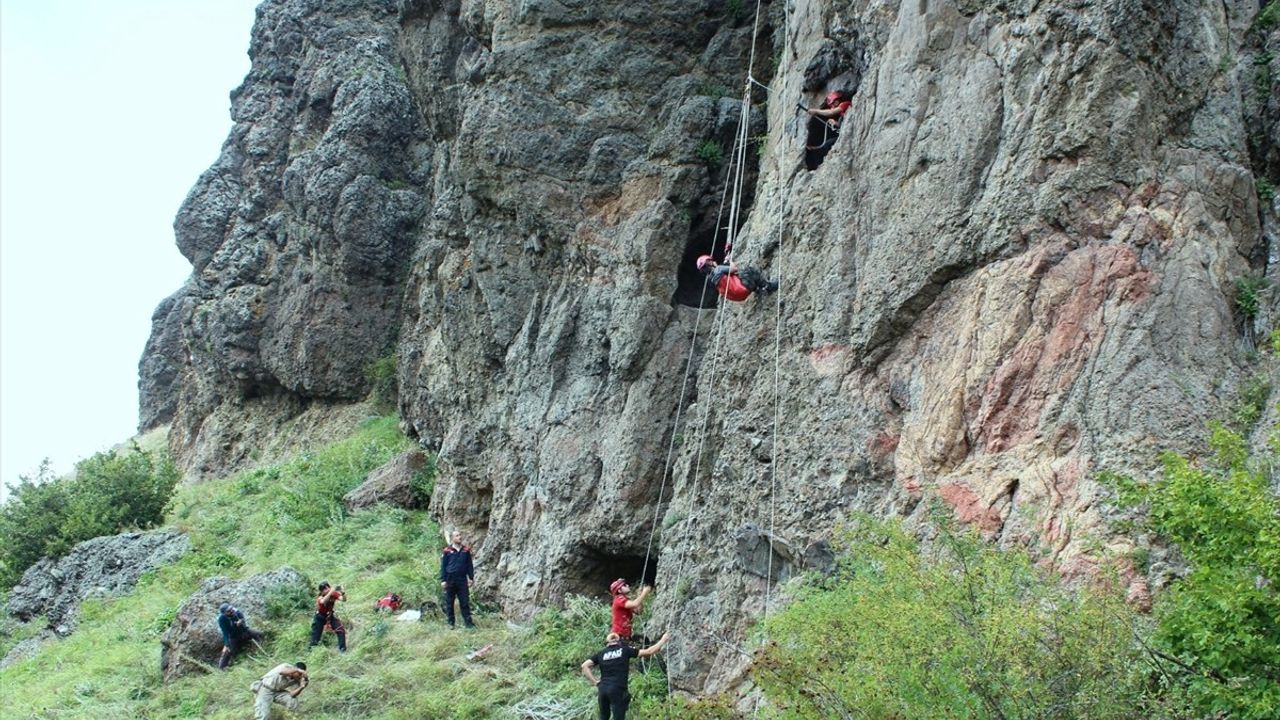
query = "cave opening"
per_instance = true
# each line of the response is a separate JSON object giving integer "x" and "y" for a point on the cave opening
{"x": 692, "y": 290}
{"x": 595, "y": 568}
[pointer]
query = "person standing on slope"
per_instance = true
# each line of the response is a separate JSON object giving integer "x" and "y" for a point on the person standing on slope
{"x": 326, "y": 599}
{"x": 614, "y": 662}
{"x": 624, "y": 608}
{"x": 457, "y": 575}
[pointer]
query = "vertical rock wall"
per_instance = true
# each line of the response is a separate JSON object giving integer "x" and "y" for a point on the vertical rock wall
{"x": 1017, "y": 266}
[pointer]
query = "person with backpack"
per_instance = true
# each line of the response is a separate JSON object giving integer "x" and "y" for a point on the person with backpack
{"x": 236, "y": 633}
{"x": 457, "y": 575}
{"x": 614, "y": 662}
{"x": 732, "y": 283}
{"x": 824, "y": 126}
{"x": 327, "y": 598}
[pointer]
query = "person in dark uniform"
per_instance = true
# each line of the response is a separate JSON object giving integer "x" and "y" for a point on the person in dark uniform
{"x": 614, "y": 662}
{"x": 236, "y": 633}
{"x": 457, "y": 575}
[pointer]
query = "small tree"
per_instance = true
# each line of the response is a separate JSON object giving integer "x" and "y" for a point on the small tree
{"x": 1217, "y": 637}
{"x": 109, "y": 492}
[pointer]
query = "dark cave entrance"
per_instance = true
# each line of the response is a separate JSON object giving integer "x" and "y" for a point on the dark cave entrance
{"x": 692, "y": 289}
{"x": 594, "y": 568}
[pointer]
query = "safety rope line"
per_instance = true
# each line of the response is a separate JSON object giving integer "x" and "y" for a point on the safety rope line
{"x": 684, "y": 384}
{"x": 739, "y": 173}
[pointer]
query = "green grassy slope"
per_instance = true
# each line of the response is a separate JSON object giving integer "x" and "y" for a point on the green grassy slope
{"x": 290, "y": 514}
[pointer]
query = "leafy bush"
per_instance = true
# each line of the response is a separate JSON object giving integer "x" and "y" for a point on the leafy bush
{"x": 1266, "y": 191}
{"x": 560, "y": 640}
{"x": 1248, "y": 295}
{"x": 956, "y": 629}
{"x": 423, "y": 483}
{"x": 108, "y": 493}
{"x": 1218, "y": 628}
{"x": 1268, "y": 17}
{"x": 384, "y": 387}
{"x": 711, "y": 153}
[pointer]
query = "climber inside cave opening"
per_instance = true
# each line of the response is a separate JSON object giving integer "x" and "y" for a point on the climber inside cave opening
{"x": 824, "y": 126}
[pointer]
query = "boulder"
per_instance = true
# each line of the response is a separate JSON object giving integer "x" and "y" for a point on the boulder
{"x": 391, "y": 484}
{"x": 193, "y": 639}
{"x": 102, "y": 567}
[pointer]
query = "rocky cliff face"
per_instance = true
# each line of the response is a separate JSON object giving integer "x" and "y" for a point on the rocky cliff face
{"x": 1017, "y": 266}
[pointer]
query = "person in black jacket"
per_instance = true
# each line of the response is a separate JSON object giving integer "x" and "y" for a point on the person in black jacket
{"x": 236, "y": 633}
{"x": 457, "y": 575}
{"x": 614, "y": 662}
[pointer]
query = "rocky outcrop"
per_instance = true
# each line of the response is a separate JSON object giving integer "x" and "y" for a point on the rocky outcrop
{"x": 1016, "y": 267}
{"x": 99, "y": 568}
{"x": 193, "y": 641}
{"x": 392, "y": 484}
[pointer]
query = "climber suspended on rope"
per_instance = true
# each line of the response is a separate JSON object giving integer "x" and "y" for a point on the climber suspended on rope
{"x": 824, "y": 126}
{"x": 735, "y": 284}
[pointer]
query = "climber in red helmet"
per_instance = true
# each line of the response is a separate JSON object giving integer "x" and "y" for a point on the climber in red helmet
{"x": 824, "y": 126}
{"x": 625, "y": 608}
{"x": 734, "y": 284}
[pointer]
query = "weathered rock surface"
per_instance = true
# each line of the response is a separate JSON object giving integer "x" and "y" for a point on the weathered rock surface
{"x": 391, "y": 484}
{"x": 102, "y": 567}
{"x": 194, "y": 638}
{"x": 1016, "y": 267}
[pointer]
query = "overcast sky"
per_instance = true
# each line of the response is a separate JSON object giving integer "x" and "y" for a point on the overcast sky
{"x": 109, "y": 111}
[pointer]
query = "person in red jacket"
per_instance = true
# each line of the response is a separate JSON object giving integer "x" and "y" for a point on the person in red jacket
{"x": 735, "y": 284}
{"x": 624, "y": 608}
{"x": 326, "y": 599}
{"x": 824, "y": 126}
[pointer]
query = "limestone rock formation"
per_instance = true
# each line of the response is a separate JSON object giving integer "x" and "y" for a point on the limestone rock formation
{"x": 1017, "y": 266}
{"x": 102, "y": 567}
{"x": 391, "y": 484}
{"x": 193, "y": 641}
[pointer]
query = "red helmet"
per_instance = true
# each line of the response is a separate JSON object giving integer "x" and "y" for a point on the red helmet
{"x": 703, "y": 260}
{"x": 616, "y": 585}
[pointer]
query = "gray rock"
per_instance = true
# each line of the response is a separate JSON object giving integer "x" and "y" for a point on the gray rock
{"x": 193, "y": 640}
{"x": 27, "y": 648}
{"x": 1015, "y": 268}
{"x": 102, "y": 567}
{"x": 391, "y": 484}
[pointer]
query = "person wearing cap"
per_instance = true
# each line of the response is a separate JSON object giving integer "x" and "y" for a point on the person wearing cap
{"x": 624, "y": 608}
{"x": 236, "y": 633}
{"x": 733, "y": 284}
{"x": 457, "y": 575}
{"x": 824, "y": 126}
{"x": 281, "y": 686}
{"x": 614, "y": 662}
{"x": 325, "y": 616}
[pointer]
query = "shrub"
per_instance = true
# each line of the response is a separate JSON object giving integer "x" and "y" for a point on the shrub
{"x": 1217, "y": 635}
{"x": 711, "y": 153}
{"x": 1248, "y": 295}
{"x": 1266, "y": 191}
{"x": 958, "y": 629}
{"x": 384, "y": 388}
{"x": 108, "y": 493}
{"x": 1268, "y": 17}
